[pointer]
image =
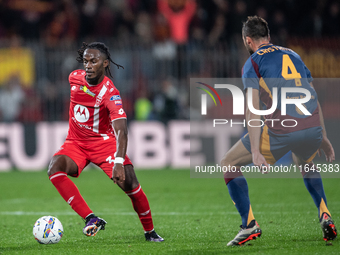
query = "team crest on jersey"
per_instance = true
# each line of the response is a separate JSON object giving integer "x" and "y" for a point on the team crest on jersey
{"x": 81, "y": 113}
{"x": 113, "y": 98}
{"x": 87, "y": 91}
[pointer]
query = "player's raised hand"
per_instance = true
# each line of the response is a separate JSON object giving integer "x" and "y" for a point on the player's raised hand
{"x": 327, "y": 148}
{"x": 259, "y": 160}
{"x": 118, "y": 173}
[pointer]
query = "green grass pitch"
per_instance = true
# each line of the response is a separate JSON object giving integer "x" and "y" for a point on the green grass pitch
{"x": 195, "y": 216}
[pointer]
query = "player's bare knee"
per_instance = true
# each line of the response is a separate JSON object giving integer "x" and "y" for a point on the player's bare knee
{"x": 297, "y": 160}
{"x": 62, "y": 163}
{"x": 224, "y": 161}
{"x": 127, "y": 186}
{"x": 134, "y": 184}
{"x": 131, "y": 181}
{"x": 130, "y": 184}
{"x": 227, "y": 161}
{"x": 53, "y": 167}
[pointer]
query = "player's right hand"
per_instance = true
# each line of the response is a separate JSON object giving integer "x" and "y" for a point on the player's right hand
{"x": 327, "y": 148}
{"x": 259, "y": 160}
{"x": 118, "y": 173}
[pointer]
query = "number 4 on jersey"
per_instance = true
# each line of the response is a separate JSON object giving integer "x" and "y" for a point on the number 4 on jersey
{"x": 287, "y": 64}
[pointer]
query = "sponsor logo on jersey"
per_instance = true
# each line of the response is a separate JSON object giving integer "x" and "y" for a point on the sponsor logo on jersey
{"x": 121, "y": 111}
{"x": 70, "y": 200}
{"x": 118, "y": 102}
{"x": 81, "y": 125}
{"x": 81, "y": 113}
{"x": 87, "y": 91}
{"x": 113, "y": 98}
{"x": 98, "y": 101}
{"x": 100, "y": 96}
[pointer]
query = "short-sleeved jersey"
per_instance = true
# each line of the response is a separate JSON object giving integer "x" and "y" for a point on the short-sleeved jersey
{"x": 275, "y": 66}
{"x": 93, "y": 108}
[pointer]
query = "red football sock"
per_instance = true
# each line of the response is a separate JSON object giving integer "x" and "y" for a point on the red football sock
{"x": 141, "y": 205}
{"x": 69, "y": 191}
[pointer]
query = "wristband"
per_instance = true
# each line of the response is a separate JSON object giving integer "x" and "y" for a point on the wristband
{"x": 119, "y": 160}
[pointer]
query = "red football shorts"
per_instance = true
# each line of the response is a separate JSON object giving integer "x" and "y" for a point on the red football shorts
{"x": 100, "y": 152}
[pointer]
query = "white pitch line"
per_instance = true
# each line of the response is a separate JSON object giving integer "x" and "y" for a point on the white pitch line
{"x": 20, "y": 213}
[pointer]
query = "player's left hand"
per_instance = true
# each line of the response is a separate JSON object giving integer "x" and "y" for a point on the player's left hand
{"x": 118, "y": 173}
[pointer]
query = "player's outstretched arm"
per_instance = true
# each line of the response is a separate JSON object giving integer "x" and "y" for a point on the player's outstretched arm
{"x": 120, "y": 128}
{"x": 255, "y": 132}
{"x": 326, "y": 145}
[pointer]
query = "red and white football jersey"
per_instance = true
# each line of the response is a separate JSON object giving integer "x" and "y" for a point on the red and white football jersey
{"x": 93, "y": 108}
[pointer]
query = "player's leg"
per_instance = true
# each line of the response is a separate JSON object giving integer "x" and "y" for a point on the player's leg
{"x": 237, "y": 185}
{"x": 103, "y": 155}
{"x": 60, "y": 167}
{"x": 303, "y": 155}
{"x": 140, "y": 203}
{"x": 314, "y": 185}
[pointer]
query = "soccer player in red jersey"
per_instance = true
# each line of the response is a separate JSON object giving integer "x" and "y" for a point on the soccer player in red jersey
{"x": 98, "y": 134}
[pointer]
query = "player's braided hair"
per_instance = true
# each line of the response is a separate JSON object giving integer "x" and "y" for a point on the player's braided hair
{"x": 255, "y": 27}
{"x": 98, "y": 46}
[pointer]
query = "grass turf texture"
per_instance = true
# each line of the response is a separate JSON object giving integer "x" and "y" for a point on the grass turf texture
{"x": 195, "y": 216}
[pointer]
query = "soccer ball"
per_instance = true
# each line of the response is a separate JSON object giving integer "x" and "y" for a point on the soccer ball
{"x": 48, "y": 229}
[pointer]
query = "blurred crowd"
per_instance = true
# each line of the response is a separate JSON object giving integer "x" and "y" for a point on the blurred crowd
{"x": 155, "y": 20}
{"x": 170, "y": 27}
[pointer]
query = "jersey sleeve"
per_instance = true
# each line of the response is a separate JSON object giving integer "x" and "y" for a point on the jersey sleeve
{"x": 114, "y": 105}
{"x": 309, "y": 75}
{"x": 250, "y": 76}
{"x": 76, "y": 77}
